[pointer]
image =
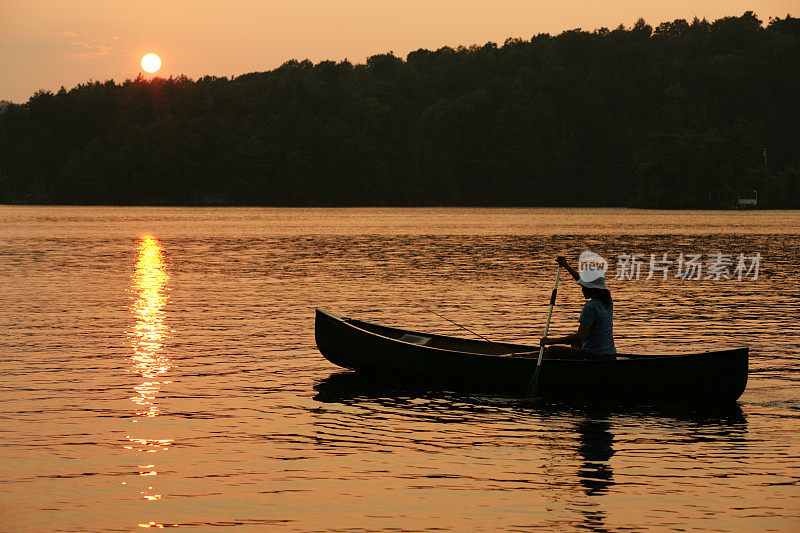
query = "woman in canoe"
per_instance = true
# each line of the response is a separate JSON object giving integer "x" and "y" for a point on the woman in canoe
{"x": 595, "y": 335}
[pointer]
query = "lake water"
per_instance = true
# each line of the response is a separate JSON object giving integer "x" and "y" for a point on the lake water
{"x": 158, "y": 369}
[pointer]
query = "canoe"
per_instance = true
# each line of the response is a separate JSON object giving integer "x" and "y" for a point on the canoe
{"x": 717, "y": 376}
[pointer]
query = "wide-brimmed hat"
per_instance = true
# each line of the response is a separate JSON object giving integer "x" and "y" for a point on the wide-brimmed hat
{"x": 592, "y": 279}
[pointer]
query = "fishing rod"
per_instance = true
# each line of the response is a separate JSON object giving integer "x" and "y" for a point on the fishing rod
{"x": 473, "y": 332}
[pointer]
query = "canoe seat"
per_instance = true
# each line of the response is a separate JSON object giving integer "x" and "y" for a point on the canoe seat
{"x": 415, "y": 339}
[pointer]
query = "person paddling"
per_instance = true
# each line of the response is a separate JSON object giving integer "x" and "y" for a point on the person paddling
{"x": 595, "y": 335}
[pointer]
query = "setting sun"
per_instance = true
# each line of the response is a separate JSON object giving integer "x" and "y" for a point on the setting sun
{"x": 151, "y": 63}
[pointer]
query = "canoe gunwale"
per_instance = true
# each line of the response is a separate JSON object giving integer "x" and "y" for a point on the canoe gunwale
{"x": 532, "y": 350}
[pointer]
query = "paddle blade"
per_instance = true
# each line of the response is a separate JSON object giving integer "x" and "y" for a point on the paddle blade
{"x": 533, "y": 384}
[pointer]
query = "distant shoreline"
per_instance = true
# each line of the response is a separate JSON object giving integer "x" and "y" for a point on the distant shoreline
{"x": 420, "y": 207}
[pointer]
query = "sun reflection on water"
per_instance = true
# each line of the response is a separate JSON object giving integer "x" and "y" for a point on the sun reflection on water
{"x": 149, "y": 284}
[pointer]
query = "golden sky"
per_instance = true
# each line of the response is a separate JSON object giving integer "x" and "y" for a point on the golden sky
{"x": 45, "y": 44}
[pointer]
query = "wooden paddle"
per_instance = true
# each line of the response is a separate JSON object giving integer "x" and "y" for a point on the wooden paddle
{"x": 534, "y": 382}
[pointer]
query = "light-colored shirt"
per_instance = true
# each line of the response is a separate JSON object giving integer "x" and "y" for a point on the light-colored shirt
{"x": 600, "y": 319}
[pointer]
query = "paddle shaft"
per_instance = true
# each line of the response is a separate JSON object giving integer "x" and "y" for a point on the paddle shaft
{"x": 531, "y": 391}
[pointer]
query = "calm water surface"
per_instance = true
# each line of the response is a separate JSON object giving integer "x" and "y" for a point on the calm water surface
{"x": 158, "y": 369}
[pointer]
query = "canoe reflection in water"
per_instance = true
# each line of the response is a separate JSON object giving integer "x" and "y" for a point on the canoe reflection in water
{"x": 352, "y": 388}
{"x": 569, "y": 453}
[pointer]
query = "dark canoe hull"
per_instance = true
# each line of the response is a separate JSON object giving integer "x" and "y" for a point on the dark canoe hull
{"x": 719, "y": 376}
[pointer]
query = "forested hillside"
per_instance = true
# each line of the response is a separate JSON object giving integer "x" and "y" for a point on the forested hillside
{"x": 684, "y": 115}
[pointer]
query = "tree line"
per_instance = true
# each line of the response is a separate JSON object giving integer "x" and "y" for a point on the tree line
{"x": 684, "y": 115}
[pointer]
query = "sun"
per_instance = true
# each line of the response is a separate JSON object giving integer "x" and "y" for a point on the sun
{"x": 151, "y": 63}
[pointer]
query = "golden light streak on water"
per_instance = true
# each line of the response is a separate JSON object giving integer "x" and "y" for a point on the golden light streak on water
{"x": 149, "y": 284}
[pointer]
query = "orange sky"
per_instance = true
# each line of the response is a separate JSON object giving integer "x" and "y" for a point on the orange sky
{"x": 45, "y": 44}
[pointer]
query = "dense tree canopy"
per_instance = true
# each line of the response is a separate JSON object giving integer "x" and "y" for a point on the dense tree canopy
{"x": 684, "y": 115}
